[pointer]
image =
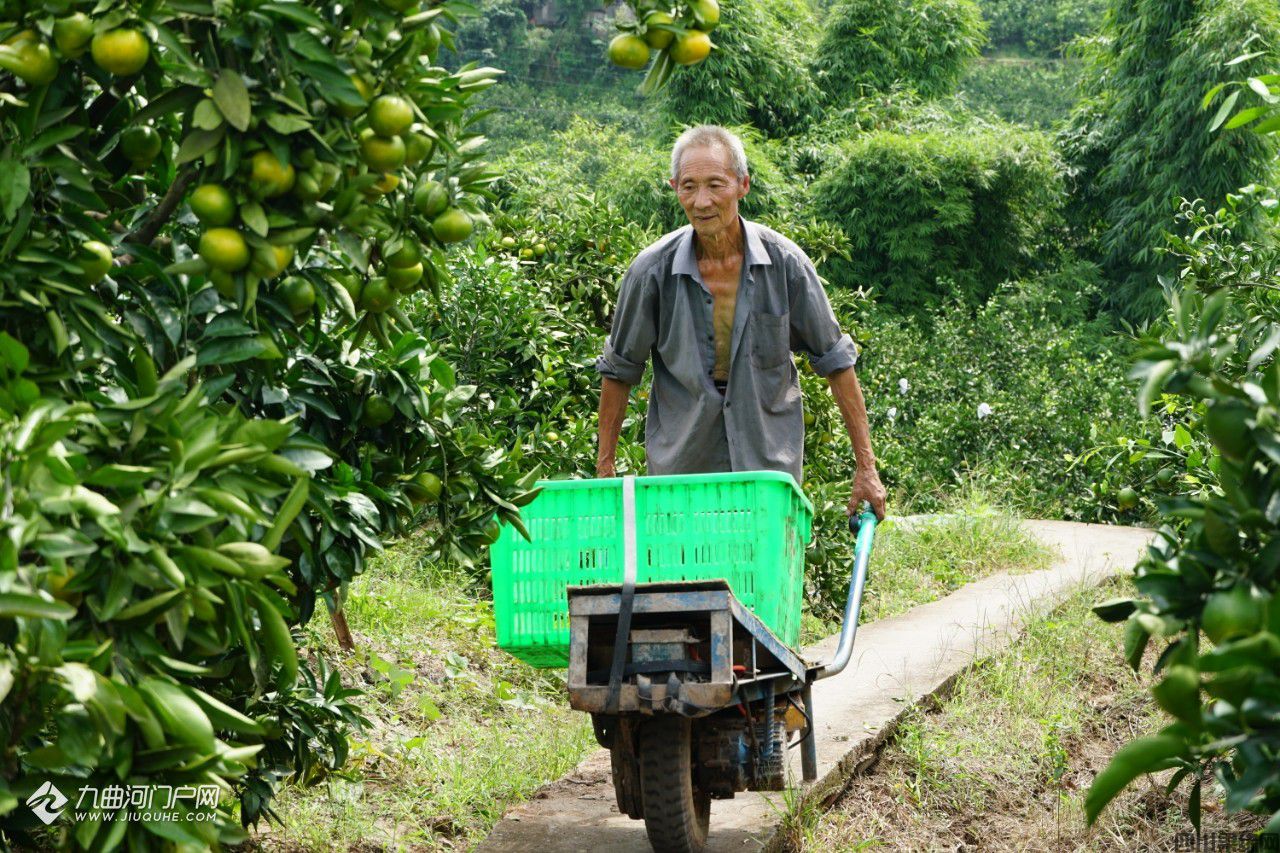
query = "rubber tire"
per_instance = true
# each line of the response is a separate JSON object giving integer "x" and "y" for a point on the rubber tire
{"x": 676, "y": 813}
{"x": 626, "y": 781}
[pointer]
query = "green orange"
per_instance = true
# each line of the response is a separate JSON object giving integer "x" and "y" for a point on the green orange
{"x": 121, "y": 52}
{"x": 212, "y": 204}
{"x": 95, "y": 261}
{"x": 691, "y": 48}
{"x": 382, "y": 153}
{"x": 452, "y": 226}
{"x": 390, "y": 115}
{"x": 224, "y": 249}
{"x": 629, "y": 51}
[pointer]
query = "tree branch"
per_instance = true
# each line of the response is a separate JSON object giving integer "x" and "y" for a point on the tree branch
{"x": 150, "y": 227}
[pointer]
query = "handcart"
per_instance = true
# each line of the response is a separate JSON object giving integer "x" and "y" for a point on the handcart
{"x": 695, "y": 696}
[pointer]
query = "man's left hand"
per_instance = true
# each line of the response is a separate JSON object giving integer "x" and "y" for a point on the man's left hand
{"x": 867, "y": 487}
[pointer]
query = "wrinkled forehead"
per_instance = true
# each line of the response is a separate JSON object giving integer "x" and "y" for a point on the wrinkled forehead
{"x": 704, "y": 162}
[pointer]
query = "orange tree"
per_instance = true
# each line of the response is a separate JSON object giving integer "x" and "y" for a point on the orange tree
{"x": 212, "y": 405}
{"x": 1208, "y": 584}
{"x": 1211, "y": 371}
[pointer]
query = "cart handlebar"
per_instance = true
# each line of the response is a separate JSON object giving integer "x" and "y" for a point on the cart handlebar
{"x": 862, "y": 525}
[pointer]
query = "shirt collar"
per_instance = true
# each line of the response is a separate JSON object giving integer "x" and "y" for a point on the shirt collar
{"x": 686, "y": 261}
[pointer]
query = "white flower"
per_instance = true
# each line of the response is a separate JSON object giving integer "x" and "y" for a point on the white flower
{"x": 984, "y": 411}
{"x": 893, "y": 412}
{"x": 903, "y": 386}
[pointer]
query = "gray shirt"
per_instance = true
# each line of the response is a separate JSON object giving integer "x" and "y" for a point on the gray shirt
{"x": 664, "y": 310}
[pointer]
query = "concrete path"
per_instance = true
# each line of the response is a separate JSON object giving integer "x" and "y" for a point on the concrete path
{"x": 897, "y": 662}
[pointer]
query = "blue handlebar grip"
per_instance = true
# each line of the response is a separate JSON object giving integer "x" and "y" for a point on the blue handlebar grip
{"x": 863, "y": 526}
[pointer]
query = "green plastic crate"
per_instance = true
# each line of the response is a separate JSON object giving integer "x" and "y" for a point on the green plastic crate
{"x": 750, "y": 528}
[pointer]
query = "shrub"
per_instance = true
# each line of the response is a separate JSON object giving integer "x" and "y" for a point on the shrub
{"x": 759, "y": 73}
{"x": 1038, "y": 27}
{"x": 874, "y": 45}
{"x": 1007, "y": 396}
{"x": 1137, "y": 142}
{"x": 935, "y": 215}
{"x": 1038, "y": 93}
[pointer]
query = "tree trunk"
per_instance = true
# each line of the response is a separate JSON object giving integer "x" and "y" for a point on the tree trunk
{"x": 340, "y": 629}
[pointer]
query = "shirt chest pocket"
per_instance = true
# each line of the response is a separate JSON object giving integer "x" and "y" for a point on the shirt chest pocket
{"x": 770, "y": 339}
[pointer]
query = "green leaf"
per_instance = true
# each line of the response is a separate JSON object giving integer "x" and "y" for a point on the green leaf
{"x": 232, "y": 97}
{"x": 15, "y": 184}
{"x": 1262, "y": 90}
{"x": 286, "y": 124}
{"x": 230, "y": 351}
{"x": 34, "y": 607}
{"x": 198, "y": 143}
{"x": 206, "y": 116}
{"x": 1114, "y": 610}
{"x": 13, "y": 354}
{"x": 147, "y": 605}
{"x": 121, "y": 476}
{"x": 1223, "y": 111}
{"x": 252, "y": 214}
{"x": 1244, "y": 117}
{"x": 1144, "y": 755}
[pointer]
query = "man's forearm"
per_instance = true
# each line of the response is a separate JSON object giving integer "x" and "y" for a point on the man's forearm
{"x": 613, "y": 408}
{"x": 853, "y": 409}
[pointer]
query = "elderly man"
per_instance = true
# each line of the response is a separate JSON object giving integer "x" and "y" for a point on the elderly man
{"x": 721, "y": 303}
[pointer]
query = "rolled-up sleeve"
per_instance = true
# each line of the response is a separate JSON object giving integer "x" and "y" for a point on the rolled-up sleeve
{"x": 814, "y": 328}
{"x": 634, "y": 328}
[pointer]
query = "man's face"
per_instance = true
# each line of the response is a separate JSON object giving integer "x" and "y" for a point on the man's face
{"x": 709, "y": 190}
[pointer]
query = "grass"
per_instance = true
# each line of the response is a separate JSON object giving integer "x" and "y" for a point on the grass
{"x": 460, "y": 731}
{"x": 1004, "y": 761}
{"x": 922, "y": 559}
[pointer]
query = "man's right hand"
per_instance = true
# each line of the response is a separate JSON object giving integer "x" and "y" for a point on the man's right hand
{"x": 613, "y": 407}
{"x": 605, "y": 468}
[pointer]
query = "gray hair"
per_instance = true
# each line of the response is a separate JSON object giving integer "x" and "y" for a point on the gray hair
{"x": 705, "y": 135}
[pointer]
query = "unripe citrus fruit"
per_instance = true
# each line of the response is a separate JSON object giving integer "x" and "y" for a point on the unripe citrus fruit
{"x": 629, "y": 51}
{"x": 268, "y": 177}
{"x": 213, "y": 205}
{"x": 508, "y": 242}
{"x": 224, "y": 249}
{"x": 406, "y": 256}
{"x": 1231, "y": 614}
{"x": 377, "y": 296}
{"x": 706, "y": 13}
{"x": 353, "y": 285}
{"x": 30, "y": 61}
{"x": 1126, "y": 498}
{"x": 691, "y": 48}
{"x": 72, "y": 34}
{"x": 431, "y": 198}
{"x": 224, "y": 283}
{"x": 377, "y": 411}
{"x": 404, "y": 278}
{"x": 390, "y": 115}
{"x": 141, "y": 145}
{"x": 424, "y": 487}
{"x": 95, "y": 261}
{"x": 272, "y": 261}
{"x": 307, "y": 187}
{"x": 452, "y": 226}
{"x": 382, "y": 153}
{"x": 539, "y": 249}
{"x": 658, "y": 39}
{"x": 298, "y": 294}
{"x": 121, "y": 52}
{"x": 1179, "y": 693}
{"x": 492, "y": 530}
{"x": 417, "y": 147}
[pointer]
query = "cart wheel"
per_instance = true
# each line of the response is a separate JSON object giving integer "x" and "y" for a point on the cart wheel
{"x": 676, "y": 811}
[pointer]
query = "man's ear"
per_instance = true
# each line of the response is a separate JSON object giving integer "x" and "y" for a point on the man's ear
{"x": 671, "y": 182}
{"x": 746, "y": 185}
